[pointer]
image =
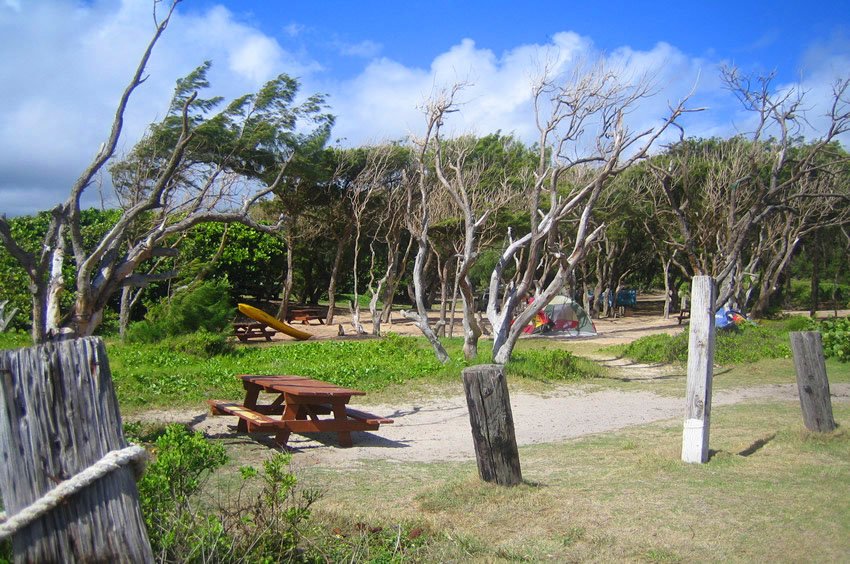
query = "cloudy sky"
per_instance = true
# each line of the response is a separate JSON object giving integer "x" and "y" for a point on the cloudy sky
{"x": 65, "y": 63}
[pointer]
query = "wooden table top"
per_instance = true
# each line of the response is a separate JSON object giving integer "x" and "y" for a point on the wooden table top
{"x": 299, "y": 386}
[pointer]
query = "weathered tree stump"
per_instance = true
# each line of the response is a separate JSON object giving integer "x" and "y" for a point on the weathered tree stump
{"x": 58, "y": 416}
{"x": 492, "y": 424}
{"x": 700, "y": 371}
{"x": 812, "y": 381}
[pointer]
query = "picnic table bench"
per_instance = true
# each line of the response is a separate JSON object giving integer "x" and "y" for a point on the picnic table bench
{"x": 245, "y": 330}
{"x": 299, "y": 402}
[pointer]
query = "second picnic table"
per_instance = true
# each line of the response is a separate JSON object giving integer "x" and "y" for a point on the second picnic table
{"x": 300, "y": 402}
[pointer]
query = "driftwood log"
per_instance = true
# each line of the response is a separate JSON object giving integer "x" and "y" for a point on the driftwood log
{"x": 812, "y": 381}
{"x": 700, "y": 371}
{"x": 58, "y": 416}
{"x": 492, "y": 424}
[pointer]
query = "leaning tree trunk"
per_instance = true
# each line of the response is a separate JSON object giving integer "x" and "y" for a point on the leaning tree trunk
{"x": 815, "y": 287}
{"x": 60, "y": 416}
{"x": 287, "y": 283}
{"x": 340, "y": 249}
{"x": 421, "y": 315}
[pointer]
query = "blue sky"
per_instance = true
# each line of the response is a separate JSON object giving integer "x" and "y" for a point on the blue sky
{"x": 66, "y": 62}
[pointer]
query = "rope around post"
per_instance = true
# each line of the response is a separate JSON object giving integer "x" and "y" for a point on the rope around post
{"x": 112, "y": 460}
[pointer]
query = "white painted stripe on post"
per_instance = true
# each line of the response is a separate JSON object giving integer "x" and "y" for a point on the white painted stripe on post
{"x": 694, "y": 441}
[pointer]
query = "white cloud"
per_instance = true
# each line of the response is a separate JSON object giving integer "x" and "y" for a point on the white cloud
{"x": 293, "y": 29}
{"x": 256, "y": 59}
{"x": 65, "y": 64}
{"x": 365, "y": 49}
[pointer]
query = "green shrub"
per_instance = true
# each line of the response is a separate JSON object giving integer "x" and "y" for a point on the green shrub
{"x": 202, "y": 344}
{"x": 836, "y": 338}
{"x": 257, "y": 524}
{"x": 659, "y": 348}
{"x": 183, "y": 461}
{"x": 203, "y": 308}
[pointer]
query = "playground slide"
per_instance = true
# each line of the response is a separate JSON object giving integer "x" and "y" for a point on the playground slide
{"x": 263, "y": 317}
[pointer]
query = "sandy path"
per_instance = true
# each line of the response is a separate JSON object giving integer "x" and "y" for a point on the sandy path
{"x": 430, "y": 431}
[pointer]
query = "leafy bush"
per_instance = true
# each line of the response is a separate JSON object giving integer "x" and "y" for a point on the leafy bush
{"x": 836, "y": 338}
{"x": 261, "y": 525}
{"x": 205, "y": 307}
{"x": 659, "y": 348}
{"x": 202, "y": 344}
{"x": 183, "y": 461}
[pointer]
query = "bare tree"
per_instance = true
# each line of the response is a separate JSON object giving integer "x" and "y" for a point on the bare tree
{"x": 573, "y": 168}
{"x": 420, "y": 193}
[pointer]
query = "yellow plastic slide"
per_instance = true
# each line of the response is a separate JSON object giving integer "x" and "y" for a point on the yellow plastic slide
{"x": 263, "y": 317}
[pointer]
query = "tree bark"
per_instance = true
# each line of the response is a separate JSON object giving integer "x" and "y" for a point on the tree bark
{"x": 61, "y": 416}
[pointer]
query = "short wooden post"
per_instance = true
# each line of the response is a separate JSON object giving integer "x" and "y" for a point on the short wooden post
{"x": 58, "y": 416}
{"x": 492, "y": 424}
{"x": 812, "y": 381}
{"x": 700, "y": 370}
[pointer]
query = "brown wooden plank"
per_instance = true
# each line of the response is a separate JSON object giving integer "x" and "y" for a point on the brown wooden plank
{"x": 327, "y": 425}
{"x": 367, "y": 417}
{"x": 300, "y": 386}
{"x": 218, "y": 407}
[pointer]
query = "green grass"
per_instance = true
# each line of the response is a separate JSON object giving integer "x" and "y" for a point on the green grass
{"x": 770, "y": 492}
{"x": 158, "y": 375}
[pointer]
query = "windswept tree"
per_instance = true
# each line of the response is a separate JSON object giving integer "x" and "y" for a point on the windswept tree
{"x": 195, "y": 166}
{"x": 722, "y": 195}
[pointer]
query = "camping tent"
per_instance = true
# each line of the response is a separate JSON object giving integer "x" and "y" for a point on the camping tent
{"x": 562, "y": 315}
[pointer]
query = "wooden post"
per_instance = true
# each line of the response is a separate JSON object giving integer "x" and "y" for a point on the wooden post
{"x": 812, "y": 382}
{"x": 700, "y": 370}
{"x": 58, "y": 416}
{"x": 492, "y": 424}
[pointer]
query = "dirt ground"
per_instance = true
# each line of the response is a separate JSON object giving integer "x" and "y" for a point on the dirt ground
{"x": 439, "y": 429}
{"x": 610, "y": 331}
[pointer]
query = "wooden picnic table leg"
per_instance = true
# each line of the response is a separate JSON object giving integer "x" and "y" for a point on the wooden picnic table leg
{"x": 338, "y": 406}
{"x": 292, "y": 411}
{"x": 252, "y": 392}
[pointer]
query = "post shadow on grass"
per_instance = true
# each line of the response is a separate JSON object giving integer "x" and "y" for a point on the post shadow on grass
{"x": 756, "y": 446}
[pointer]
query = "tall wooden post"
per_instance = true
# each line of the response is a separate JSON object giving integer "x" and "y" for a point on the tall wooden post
{"x": 812, "y": 382}
{"x": 492, "y": 424}
{"x": 58, "y": 416}
{"x": 700, "y": 370}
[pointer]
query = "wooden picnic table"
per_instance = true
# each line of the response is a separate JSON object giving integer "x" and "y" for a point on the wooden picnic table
{"x": 245, "y": 330}
{"x": 300, "y": 402}
{"x": 307, "y": 314}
